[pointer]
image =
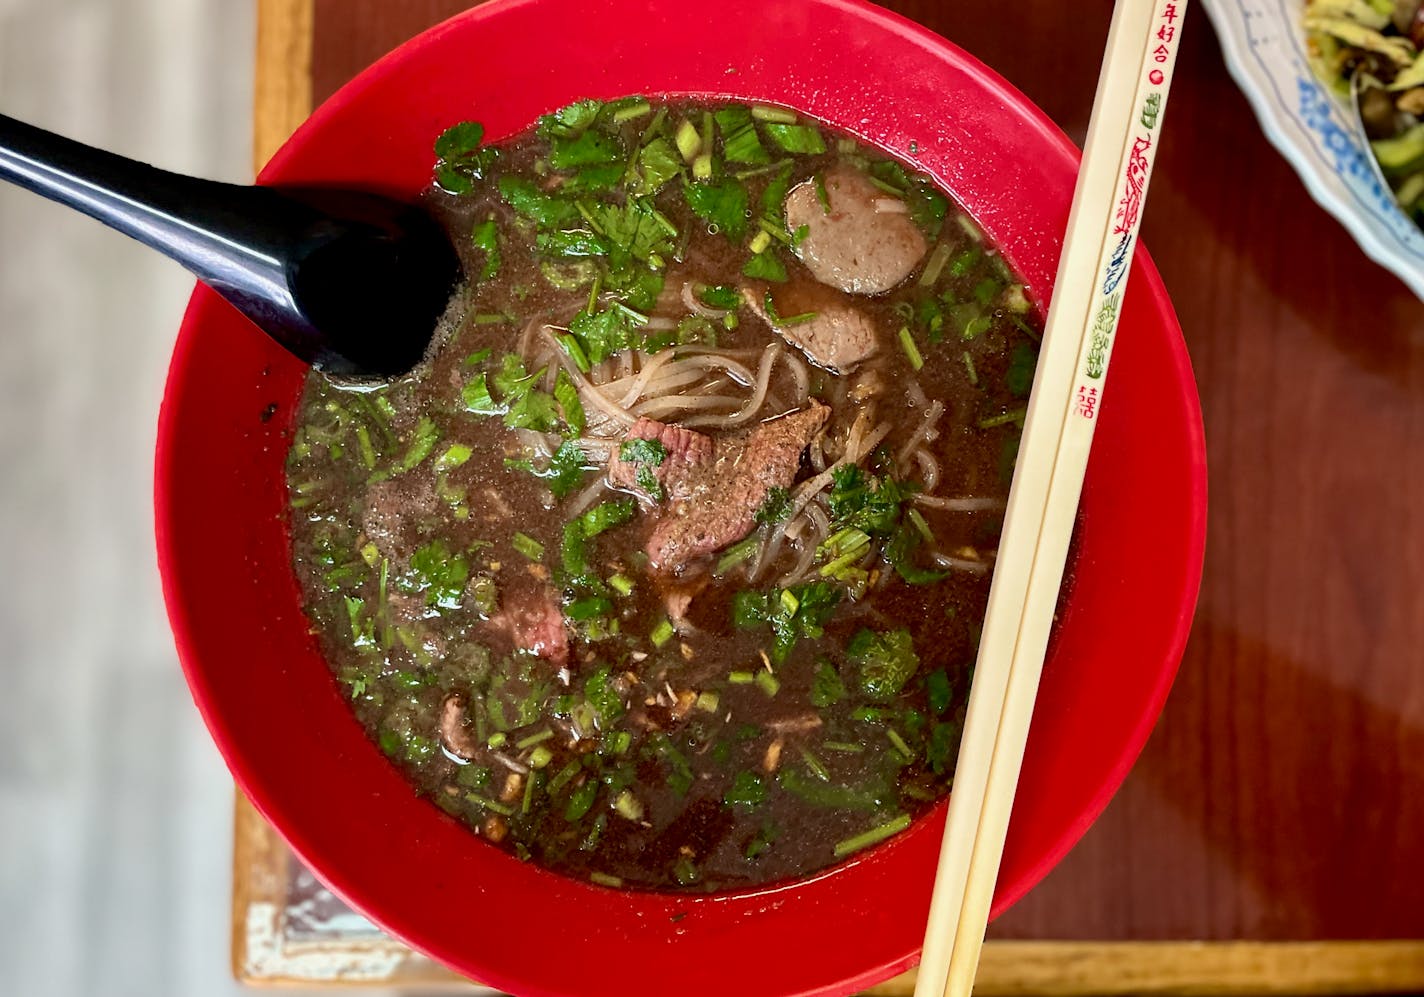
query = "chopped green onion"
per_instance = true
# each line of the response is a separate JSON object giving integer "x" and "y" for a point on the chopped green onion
{"x": 934, "y": 266}
{"x": 455, "y": 455}
{"x": 498, "y": 808}
{"x": 899, "y": 743}
{"x": 588, "y": 608}
{"x": 708, "y": 701}
{"x": 793, "y": 138}
{"x": 872, "y": 837}
{"x": 814, "y": 764}
{"x": 741, "y": 678}
{"x": 619, "y": 741}
{"x": 911, "y": 350}
{"x": 846, "y": 747}
{"x": 603, "y": 879}
{"x": 789, "y": 602}
{"x": 702, "y": 166}
{"x": 628, "y": 806}
{"x": 540, "y": 757}
{"x": 1003, "y": 419}
{"x": 736, "y": 554}
{"x": 918, "y": 520}
{"x": 528, "y": 801}
{"x": 759, "y": 242}
{"x": 768, "y": 683}
{"x": 661, "y": 633}
{"x": 575, "y": 351}
{"x": 528, "y": 546}
{"x": 688, "y": 141}
{"x": 368, "y": 453}
{"x": 492, "y": 318}
{"x": 976, "y": 327}
{"x": 621, "y": 584}
{"x": 565, "y": 774}
{"x": 497, "y": 739}
{"x": 632, "y": 111}
{"x": 970, "y": 228}
{"x": 533, "y": 739}
{"x": 969, "y": 367}
{"x": 764, "y": 112}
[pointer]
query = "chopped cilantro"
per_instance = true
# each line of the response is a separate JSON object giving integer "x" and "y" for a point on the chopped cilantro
{"x": 1022, "y": 363}
{"x": 658, "y": 162}
{"x": 548, "y": 211}
{"x": 886, "y": 662}
{"x": 566, "y": 470}
{"x": 747, "y": 790}
{"x": 461, "y": 158}
{"x": 800, "y": 611}
{"x": 568, "y": 398}
{"x": 599, "y": 690}
{"x": 720, "y": 296}
{"x": 765, "y": 266}
{"x": 939, "y": 749}
{"x": 721, "y": 204}
{"x": 571, "y": 244}
{"x": 940, "y": 692}
{"x": 775, "y": 508}
{"x": 827, "y": 688}
{"x": 477, "y": 398}
{"x": 485, "y": 237}
{"x": 650, "y": 453}
{"x": 439, "y": 574}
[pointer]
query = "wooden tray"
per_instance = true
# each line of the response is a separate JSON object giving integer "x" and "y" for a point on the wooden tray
{"x": 1269, "y": 839}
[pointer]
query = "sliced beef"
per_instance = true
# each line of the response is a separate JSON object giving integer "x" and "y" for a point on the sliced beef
{"x": 826, "y": 325}
{"x": 534, "y": 622}
{"x": 394, "y": 510}
{"x": 685, "y": 448}
{"x": 865, "y": 243}
{"x": 719, "y": 499}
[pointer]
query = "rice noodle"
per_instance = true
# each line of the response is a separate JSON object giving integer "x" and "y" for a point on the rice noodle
{"x": 660, "y": 323}
{"x": 920, "y": 436}
{"x": 743, "y": 415}
{"x": 890, "y": 206}
{"x": 535, "y": 441}
{"x": 959, "y": 504}
{"x": 647, "y": 369}
{"x": 689, "y": 298}
{"x": 585, "y": 498}
{"x": 592, "y": 395}
{"x": 959, "y": 563}
{"x": 811, "y": 487}
{"x": 918, "y": 398}
{"x": 664, "y": 408}
{"x": 929, "y": 468}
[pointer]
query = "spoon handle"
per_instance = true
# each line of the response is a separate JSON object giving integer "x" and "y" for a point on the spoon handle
{"x": 234, "y": 239}
{"x": 328, "y": 273}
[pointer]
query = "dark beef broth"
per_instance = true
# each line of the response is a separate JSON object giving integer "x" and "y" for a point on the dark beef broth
{"x": 748, "y": 716}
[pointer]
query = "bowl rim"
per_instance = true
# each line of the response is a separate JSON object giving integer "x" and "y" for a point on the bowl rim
{"x": 1149, "y": 285}
{"x": 1373, "y": 221}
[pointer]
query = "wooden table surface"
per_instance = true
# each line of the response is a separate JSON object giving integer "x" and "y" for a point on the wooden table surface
{"x": 1281, "y": 797}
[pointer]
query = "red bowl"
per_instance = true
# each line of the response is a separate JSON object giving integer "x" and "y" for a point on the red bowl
{"x": 275, "y": 711}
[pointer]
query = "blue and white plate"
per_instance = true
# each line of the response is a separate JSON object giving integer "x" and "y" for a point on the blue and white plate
{"x": 1264, "y": 46}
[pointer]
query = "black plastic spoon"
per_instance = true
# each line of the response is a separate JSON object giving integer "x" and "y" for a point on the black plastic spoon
{"x": 351, "y": 282}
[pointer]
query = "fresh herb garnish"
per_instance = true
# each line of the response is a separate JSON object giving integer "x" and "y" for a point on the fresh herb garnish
{"x": 461, "y": 160}
{"x": 886, "y": 661}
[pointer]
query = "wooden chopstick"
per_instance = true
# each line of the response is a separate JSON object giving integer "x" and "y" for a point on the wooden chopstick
{"x": 1053, "y": 454}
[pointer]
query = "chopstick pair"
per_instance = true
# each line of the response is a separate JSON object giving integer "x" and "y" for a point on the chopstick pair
{"x": 1058, "y": 431}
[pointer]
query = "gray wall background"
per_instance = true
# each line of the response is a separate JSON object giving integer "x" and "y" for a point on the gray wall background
{"x": 115, "y": 809}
